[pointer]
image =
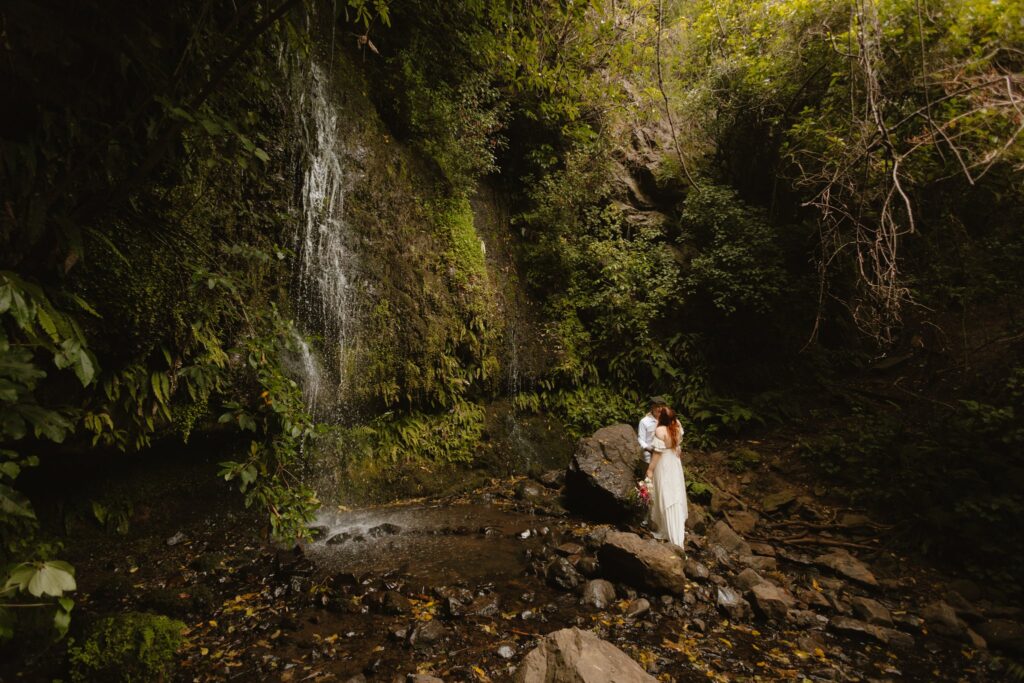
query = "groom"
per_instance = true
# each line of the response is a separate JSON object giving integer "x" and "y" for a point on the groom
{"x": 645, "y": 430}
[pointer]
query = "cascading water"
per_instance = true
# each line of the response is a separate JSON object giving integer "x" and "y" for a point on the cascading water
{"x": 325, "y": 265}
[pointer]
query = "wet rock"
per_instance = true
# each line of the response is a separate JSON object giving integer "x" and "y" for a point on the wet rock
{"x": 627, "y": 557}
{"x": 733, "y": 604}
{"x": 762, "y": 549}
{"x": 576, "y": 655}
{"x": 742, "y": 521}
{"x": 975, "y": 640}
{"x": 942, "y": 620}
{"x": 696, "y": 519}
{"x": 807, "y": 619}
{"x": 771, "y": 601}
{"x": 427, "y": 633}
{"x": 178, "y": 537}
{"x": 638, "y": 607}
{"x": 845, "y": 564}
{"x": 1003, "y": 634}
{"x": 857, "y": 628}
{"x": 561, "y": 574}
{"x": 385, "y": 529}
{"x": 747, "y": 579}
{"x": 813, "y": 598}
{"x": 964, "y": 609}
{"x": 338, "y": 539}
{"x": 871, "y": 611}
{"x": 598, "y": 593}
{"x": 393, "y": 602}
{"x": 601, "y": 473}
{"x": 777, "y": 501}
{"x": 758, "y": 562}
{"x": 569, "y": 549}
{"x": 531, "y": 491}
{"x": 722, "y": 534}
{"x": 553, "y": 479}
{"x": 695, "y": 570}
{"x": 907, "y": 621}
{"x": 487, "y": 605}
{"x": 589, "y": 566}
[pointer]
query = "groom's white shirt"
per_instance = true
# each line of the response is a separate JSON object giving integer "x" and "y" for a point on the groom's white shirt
{"x": 645, "y": 434}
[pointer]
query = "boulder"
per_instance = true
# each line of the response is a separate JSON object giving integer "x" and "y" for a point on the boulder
{"x": 1003, "y": 634}
{"x": 813, "y": 598}
{"x": 695, "y": 570}
{"x": 561, "y": 574}
{"x": 771, "y": 601}
{"x": 487, "y": 605}
{"x": 747, "y": 579}
{"x": 395, "y": 603}
{"x": 638, "y": 607}
{"x": 531, "y": 491}
{"x": 722, "y": 534}
{"x": 385, "y": 529}
{"x": 696, "y": 518}
{"x": 942, "y": 620}
{"x": 758, "y": 562}
{"x": 743, "y": 522}
{"x": 427, "y": 633}
{"x": 601, "y": 473}
{"x": 777, "y": 501}
{"x": 886, "y": 636}
{"x": 733, "y": 604}
{"x": 574, "y": 655}
{"x": 871, "y": 611}
{"x": 845, "y": 564}
{"x": 598, "y": 593}
{"x": 628, "y": 558}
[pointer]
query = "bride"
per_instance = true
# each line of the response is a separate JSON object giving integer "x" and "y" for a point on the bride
{"x": 668, "y": 507}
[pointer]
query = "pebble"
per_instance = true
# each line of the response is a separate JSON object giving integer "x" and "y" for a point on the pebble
{"x": 506, "y": 652}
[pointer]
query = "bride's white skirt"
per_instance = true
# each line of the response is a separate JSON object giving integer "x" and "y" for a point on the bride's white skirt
{"x": 668, "y": 504}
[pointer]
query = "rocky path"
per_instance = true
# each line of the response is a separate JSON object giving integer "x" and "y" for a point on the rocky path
{"x": 507, "y": 584}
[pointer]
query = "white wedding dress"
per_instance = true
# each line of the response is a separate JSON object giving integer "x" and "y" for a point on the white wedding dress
{"x": 668, "y": 504}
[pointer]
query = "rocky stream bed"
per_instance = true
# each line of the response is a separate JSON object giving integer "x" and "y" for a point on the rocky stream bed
{"x": 506, "y": 583}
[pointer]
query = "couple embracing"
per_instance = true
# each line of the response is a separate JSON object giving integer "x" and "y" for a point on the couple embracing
{"x": 660, "y": 435}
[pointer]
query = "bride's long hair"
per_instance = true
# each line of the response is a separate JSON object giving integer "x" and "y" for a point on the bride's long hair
{"x": 668, "y": 419}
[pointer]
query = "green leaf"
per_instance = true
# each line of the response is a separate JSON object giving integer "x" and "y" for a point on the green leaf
{"x": 20, "y": 577}
{"x": 85, "y": 368}
{"x": 12, "y": 425}
{"x": 46, "y": 322}
{"x": 53, "y": 578}
{"x": 61, "y": 621}
{"x": 261, "y": 155}
{"x": 10, "y": 469}
{"x": 15, "y": 504}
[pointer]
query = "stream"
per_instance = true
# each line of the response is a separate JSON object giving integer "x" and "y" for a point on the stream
{"x": 460, "y": 588}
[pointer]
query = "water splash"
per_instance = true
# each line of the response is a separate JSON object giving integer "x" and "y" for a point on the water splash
{"x": 325, "y": 265}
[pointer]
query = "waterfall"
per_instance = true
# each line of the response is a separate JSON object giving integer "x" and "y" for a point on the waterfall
{"x": 325, "y": 262}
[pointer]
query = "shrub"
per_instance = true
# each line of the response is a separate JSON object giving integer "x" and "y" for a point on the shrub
{"x": 126, "y": 648}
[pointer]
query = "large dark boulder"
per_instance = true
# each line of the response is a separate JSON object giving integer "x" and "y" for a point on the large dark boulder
{"x": 602, "y": 473}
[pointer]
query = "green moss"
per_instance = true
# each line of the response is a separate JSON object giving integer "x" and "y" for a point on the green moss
{"x": 126, "y": 648}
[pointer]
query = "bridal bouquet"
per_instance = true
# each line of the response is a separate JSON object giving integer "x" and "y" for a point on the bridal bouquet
{"x": 644, "y": 491}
